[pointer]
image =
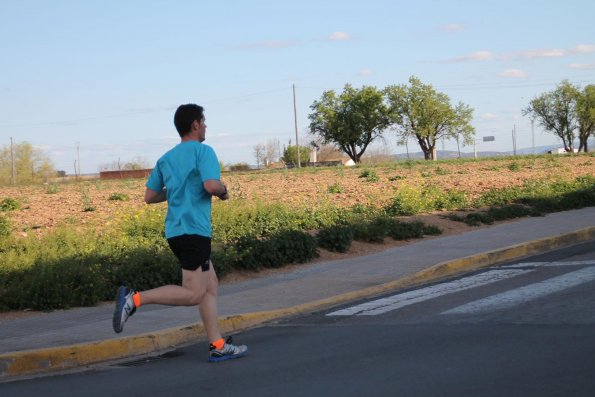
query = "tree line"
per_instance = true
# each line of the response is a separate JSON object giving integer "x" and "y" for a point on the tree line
{"x": 23, "y": 163}
{"x": 352, "y": 119}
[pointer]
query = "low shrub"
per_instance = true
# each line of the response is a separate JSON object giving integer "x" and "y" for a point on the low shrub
{"x": 406, "y": 230}
{"x": 335, "y": 188}
{"x": 369, "y": 175}
{"x": 54, "y": 285}
{"x": 335, "y": 238}
{"x": 145, "y": 224}
{"x": 119, "y": 197}
{"x": 9, "y": 204}
{"x": 52, "y": 189}
{"x": 431, "y": 230}
{"x": 145, "y": 268}
{"x": 510, "y": 212}
{"x": 371, "y": 231}
{"x": 5, "y": 227}
{"x": 250, "y": 253}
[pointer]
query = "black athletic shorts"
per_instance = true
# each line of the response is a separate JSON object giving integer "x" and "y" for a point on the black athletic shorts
{"x": 192, "y": 251}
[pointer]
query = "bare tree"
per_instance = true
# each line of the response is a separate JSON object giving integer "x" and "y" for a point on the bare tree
{"x": 259, "y": 154}
{"x": 379, "y": 153}
{"x": 272, "y": 151}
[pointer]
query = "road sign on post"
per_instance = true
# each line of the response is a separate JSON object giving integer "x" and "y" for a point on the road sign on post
{"x": 488, "y": 138}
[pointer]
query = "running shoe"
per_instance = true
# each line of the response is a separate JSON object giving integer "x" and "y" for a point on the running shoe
{"x": 124, "y": 308}
{"x": 228, "y": 351}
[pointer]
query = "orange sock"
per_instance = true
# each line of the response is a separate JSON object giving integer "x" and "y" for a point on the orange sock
{"x": 219, "y": 343}
{"x": 136, "y": 299}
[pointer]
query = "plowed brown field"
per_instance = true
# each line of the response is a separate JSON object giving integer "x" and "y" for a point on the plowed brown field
{"x": 43, "y": 207}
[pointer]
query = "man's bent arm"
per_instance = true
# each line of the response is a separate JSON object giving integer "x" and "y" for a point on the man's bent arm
{"x": 152, "y": 196}
{"x": 216, "y": 188}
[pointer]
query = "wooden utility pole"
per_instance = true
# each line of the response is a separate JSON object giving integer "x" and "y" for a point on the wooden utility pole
{"x": 297, "y": 142}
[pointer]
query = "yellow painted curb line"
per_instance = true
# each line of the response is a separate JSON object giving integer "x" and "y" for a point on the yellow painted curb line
{"x": 30, "y": 362}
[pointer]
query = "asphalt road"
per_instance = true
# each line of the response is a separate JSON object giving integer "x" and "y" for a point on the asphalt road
{"x": 521, "y": 329}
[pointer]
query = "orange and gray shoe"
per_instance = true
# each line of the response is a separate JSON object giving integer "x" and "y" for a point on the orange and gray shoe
{"x": 227, "y": 352}
{"x": 125, "y": 308}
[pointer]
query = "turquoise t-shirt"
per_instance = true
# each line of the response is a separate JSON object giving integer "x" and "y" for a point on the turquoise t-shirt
{"x": 182, "y": 170}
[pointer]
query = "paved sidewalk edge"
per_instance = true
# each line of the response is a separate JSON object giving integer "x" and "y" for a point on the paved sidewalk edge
{"x": 31, "y": 362}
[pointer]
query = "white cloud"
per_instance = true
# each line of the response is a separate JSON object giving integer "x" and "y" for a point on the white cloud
{"x": 582, "y": 66}
{"x": 541, "y": 53}
{"x": 488, "y": 116}
{"x": 486, "y": 55}
{"x": 366, "y": 72}
{"x": 452, "y": 27}
{"x": 339, "y": 36}
{"x": 515, "y": 73}
{"x": 584, "y": 48}
{"x": 475, "y": 56}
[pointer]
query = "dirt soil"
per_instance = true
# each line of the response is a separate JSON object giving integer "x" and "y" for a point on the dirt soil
{"x": 43, "y": 207}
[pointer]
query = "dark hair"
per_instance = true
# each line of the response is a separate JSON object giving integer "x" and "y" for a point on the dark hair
{"x": 185, "y": 115}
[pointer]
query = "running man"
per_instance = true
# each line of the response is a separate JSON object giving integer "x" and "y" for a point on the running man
{"x": 187, "y": 176}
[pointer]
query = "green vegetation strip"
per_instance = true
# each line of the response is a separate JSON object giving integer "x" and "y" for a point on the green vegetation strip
{"x": 68, "y": 268}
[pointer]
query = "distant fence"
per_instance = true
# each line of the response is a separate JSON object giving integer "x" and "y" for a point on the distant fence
{"x": 125, "y": 174}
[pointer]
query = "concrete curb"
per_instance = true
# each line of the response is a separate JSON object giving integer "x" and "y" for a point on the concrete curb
{"x": 31, "y": 362}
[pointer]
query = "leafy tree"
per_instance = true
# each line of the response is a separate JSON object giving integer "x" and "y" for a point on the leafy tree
{"x": 30, "y": 164}
{"x": 351, "y": 120}
{"x": 290, "y": 154}
{"x": 556, "y": 111}
{"x": 419, "y": 111}
{"x": 586, "y": 116}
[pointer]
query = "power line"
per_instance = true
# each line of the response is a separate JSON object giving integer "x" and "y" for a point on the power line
{"x": 137, "y": 112}
{"x": 132, "y": 113}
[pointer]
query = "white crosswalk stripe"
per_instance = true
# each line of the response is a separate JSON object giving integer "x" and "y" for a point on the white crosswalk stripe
{"x": 528, "y": 293}
{"x": 550, "y": 264}
{"x": 384, "y": 305}
{"x": 498, "y": 301}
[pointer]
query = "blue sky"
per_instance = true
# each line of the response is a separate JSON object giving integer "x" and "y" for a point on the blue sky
{"x": 106, "y": 76}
